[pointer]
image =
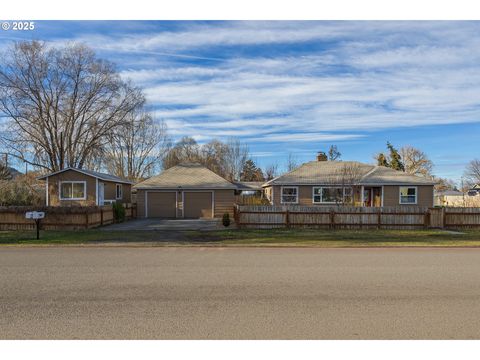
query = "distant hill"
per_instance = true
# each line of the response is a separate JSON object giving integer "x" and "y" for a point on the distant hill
{"x": 14, "y": 172}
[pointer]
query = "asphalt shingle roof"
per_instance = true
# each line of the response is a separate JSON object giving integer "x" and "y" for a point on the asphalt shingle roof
{"x": 96, "y": 174}
{"x": 186, "y": 176}
{"x": 338, "y": 172}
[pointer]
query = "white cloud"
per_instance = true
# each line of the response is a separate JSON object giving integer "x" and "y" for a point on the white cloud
{"x": 359, "y": 76}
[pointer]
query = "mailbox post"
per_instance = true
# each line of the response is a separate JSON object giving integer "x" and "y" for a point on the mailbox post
{"x": 37, "y": 216}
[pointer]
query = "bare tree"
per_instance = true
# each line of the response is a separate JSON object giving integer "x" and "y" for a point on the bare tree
{"x": 213, "y": 156}
{"x": 62, "y": 103}
{"x": 271, "y": 171}
{"x": 227, "y": 159}
{"x": 443, "y": 184}
{"x": 235, "y": 158}
{"x": 347, "y": 176}
{"x": 136, "y": 149}
{"x": 185, "y": 150}
{"x": 292, "y": 162}
{"x": 416, "y": 161}
{"x": 472, "y": 172}
{"x": 5, "y": 173}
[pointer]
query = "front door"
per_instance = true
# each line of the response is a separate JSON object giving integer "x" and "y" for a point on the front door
{"x": 101, "y": 193}
{"x": 367, "y": 197}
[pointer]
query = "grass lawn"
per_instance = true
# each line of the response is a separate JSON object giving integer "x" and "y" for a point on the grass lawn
{"x": 280, "y": 237}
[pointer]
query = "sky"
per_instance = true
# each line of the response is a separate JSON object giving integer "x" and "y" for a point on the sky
{"x": 297, "y": 87}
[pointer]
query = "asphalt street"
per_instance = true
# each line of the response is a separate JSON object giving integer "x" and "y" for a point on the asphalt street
{"x": 238, "y": 293}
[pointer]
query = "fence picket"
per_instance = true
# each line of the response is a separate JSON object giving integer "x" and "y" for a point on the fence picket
{"x": 404, "y": 217}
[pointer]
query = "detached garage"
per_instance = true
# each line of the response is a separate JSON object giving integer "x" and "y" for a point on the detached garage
{"x": 185, "y": 191}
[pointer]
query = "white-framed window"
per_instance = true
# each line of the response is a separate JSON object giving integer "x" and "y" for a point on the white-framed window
{"x": 118, "y": 191}
{"x": 408, "y": 194}
{"x": 73, "y": 190}
{"x": 332, "y": 195}
{"x": 289, "y": 195}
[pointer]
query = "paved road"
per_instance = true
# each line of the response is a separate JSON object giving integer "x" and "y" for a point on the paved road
{"x": 239, "y": 293}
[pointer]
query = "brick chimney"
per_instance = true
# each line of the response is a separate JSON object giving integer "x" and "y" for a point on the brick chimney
{"x": 321, "y": 156}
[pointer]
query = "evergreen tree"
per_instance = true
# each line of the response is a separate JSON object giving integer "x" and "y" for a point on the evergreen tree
{"x": 333, "y": 153}
{"x": 395, "y": 158}
{"x": 251, "y": 172}
{"x": 382, "y": 160}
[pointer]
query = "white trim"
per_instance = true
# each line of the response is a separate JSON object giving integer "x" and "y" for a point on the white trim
{"x": 360, "y": 184}
{"x": 72, "y": 182}
{"x": 202, "y": 191}
{"x": 96, "y": 191}
{"x": 281, "y": 194}
{"x": 176, "y": 204}
{"x": 183, "y": 204}
{"x": 121, "y": 192}
{"x": 330, "y": 186}
{"x": 213, "y": 204}
{"x": 382, "y": 196}
{"x": 159, "y": 191}
{"x": 146, "y": 204}
{"x": 46, "y": 193}
{"x": 400, "y": 195}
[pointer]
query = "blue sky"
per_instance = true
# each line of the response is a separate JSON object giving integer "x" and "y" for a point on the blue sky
{"x": 297, "y": 87}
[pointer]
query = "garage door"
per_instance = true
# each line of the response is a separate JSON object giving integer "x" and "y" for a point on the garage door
{"x": 161, "y": 204}
{"x": 197, "y": 205}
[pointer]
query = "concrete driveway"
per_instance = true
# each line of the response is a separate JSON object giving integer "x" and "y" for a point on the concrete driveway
{"x": 163, "y": 224}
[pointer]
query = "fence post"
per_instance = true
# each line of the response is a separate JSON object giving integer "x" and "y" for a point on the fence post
{"x": 379, "y": 218}
{"x": 444, "y": 216}
{"x": 287, "y": 218}
{"x": 332, "y": 219}
{"x": 426, "y": 219}
{"x": 86, "y": 220}
{"x": 101, "y": 216}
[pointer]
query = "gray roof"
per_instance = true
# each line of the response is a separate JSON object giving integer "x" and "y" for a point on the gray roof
{"x": 249, "y": 185}
{"x": 186, "y": 176}
{"x": 449, "y": 193}
{"x": 346, "y": 172}
{"x": 95, "y": 174}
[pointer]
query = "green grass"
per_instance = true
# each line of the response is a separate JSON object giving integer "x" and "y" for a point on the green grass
{"x": 77, "y": 237}
{"x": 280, "y": 237}
{"x": 344, "y": 238}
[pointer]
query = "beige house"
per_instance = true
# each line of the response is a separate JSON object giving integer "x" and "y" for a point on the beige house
{"x": 80, "y": 187}
{"x": 350, "y": 183}
{"x": 453, "y": 198}
{"x": 185, "y": 191}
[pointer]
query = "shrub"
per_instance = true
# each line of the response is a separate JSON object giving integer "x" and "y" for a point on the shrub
{"x": 226, "y": 219}
{"x": 118, "y": 212}
{"x": 21, "y": 192}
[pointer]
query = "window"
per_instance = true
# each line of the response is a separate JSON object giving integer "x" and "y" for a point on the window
{"x": 289, "y": 195}
{"x": 73, "y": 190}
{"x": 119, "y": 191}
{"x": 408, "y": 195}
{"x": 332, "y": 195}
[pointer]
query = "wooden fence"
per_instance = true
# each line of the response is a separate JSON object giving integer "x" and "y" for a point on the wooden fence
{"x": 62, "y": 218}
{"x": 405, "y": 217}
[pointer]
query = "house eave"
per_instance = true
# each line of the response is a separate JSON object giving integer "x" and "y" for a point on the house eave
{"x": 87, "y": 174}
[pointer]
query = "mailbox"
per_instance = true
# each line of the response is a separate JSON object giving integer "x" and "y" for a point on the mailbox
{"x": 37, "y": 216}
{"x": 34, "y": 215}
